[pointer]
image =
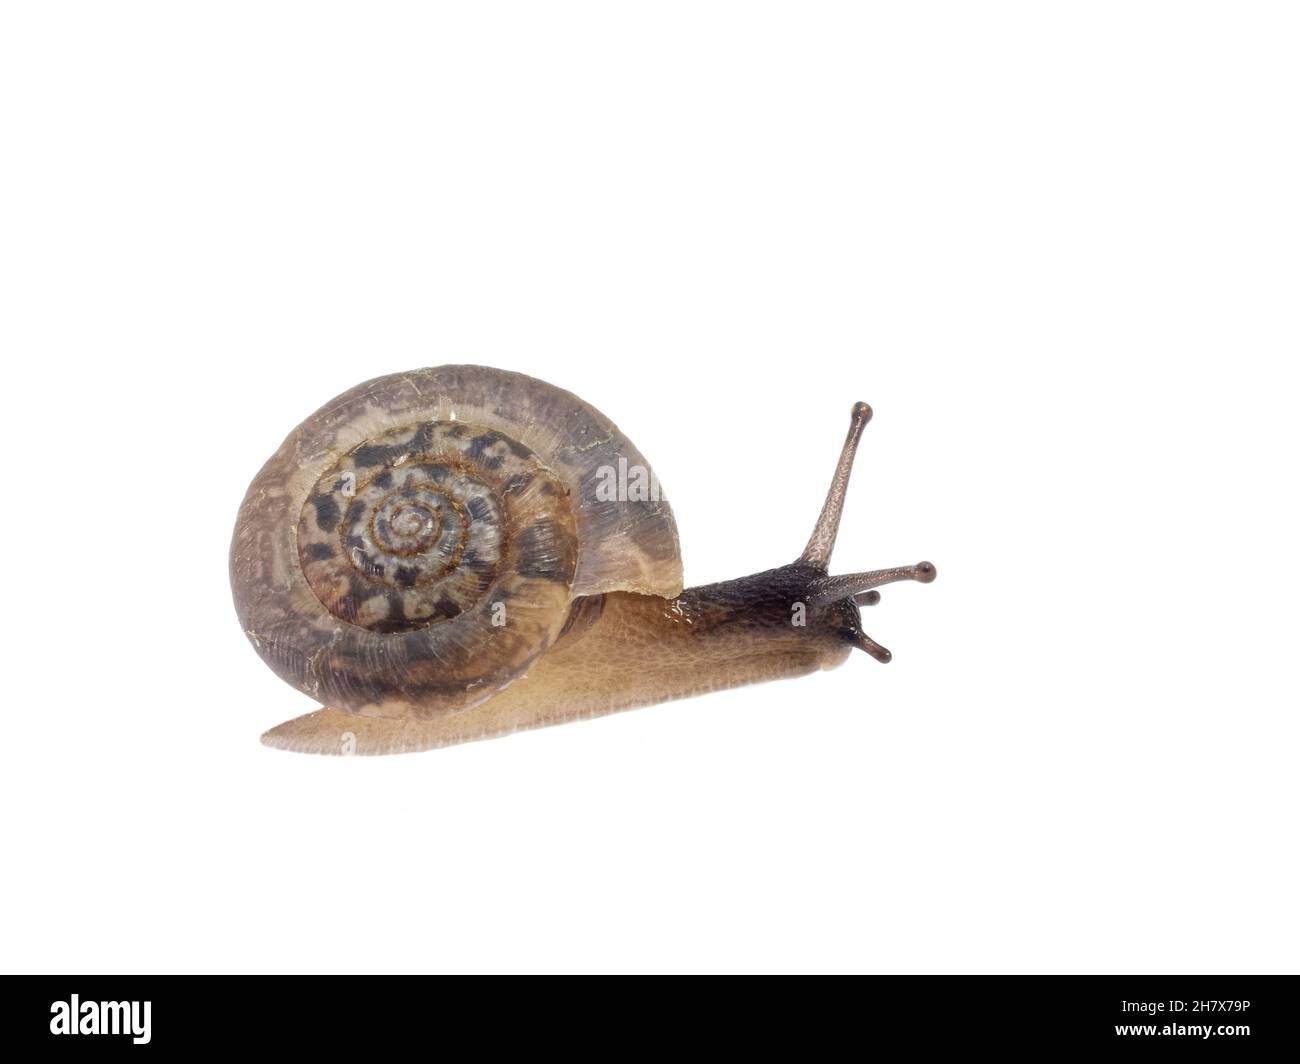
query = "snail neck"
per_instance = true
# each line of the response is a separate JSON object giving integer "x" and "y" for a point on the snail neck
{"x": 757, "y": 593}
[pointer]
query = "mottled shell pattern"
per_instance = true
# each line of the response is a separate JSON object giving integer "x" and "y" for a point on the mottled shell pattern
{"x": 419, "y": 541}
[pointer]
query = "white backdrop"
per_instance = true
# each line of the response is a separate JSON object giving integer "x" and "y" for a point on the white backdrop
{"x": 1054, "y": 246}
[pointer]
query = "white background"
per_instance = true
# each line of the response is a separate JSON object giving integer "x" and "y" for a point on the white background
{"x": 1055, "y": 246}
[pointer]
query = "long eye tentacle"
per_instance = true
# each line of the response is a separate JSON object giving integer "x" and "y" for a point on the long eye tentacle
{"x": 822, "y": 541}
{"x": 834, "y": 588}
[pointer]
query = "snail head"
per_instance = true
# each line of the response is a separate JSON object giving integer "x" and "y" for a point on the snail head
{"x": 837, "y": 598}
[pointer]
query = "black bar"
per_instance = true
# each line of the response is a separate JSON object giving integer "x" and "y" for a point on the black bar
{"x": 1244, "y": 1014}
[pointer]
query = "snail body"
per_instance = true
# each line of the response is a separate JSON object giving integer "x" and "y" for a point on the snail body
{"x": 456, "y": 553}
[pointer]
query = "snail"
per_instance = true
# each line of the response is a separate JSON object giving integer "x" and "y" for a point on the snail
{"x": 457, "y": 553}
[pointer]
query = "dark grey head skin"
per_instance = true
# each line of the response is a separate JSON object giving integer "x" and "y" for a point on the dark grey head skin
{"x": 766, "y": 601}
{"x": 838, "y": 597}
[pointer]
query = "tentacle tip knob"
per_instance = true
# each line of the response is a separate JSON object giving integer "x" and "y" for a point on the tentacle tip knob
{"x": 926, "y": 572}
{"x": 867, "y": 598}
{"x": 883, "y": 656}
{"x": 861, "y": 412}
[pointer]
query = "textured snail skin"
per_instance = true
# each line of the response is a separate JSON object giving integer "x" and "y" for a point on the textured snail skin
{"x": 431, "y": 556}
{"x": 639, "y": 650}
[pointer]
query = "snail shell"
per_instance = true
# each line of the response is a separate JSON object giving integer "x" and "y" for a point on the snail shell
{"x": 418, "y": 542}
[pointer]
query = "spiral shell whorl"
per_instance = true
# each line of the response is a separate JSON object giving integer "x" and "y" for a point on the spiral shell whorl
{"x": 448, "y": 552}
{"x": 410, "y": 529}
{"x": 418, "y": 542}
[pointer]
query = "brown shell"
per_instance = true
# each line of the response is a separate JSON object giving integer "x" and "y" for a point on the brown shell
{"x": 326, "y": 563}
